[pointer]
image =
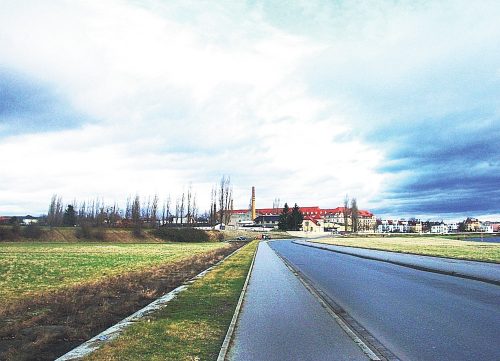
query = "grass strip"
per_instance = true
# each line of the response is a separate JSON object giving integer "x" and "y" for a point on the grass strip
{"x": 193, "y": 325}
{"x": 428, "y": 246}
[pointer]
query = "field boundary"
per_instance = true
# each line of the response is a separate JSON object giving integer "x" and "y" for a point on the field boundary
{"x": 112, "y": 332}
{"x": 232, "y": 326}
{"x": 404, "y": 264}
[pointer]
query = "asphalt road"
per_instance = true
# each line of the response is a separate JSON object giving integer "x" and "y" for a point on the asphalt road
{"x": 281, "y": 320}
{"x": 417, "y": 315}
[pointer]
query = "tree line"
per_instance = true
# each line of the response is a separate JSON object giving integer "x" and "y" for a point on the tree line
{"x": 148, "y": 211}
{"x": 221, "y": 202}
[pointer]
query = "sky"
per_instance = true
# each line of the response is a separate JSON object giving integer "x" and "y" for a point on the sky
{"x": 395, "y": 103}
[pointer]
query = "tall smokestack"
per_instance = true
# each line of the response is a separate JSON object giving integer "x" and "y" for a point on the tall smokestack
{"x": 254, "y": 215}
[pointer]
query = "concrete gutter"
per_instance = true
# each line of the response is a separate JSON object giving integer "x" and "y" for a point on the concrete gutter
{"x": 232, "y": 326}
{"x": 111, "y": 333}
{"x": 478, "y": 271}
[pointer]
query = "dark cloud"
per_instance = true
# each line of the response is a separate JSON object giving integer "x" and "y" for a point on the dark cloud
{"x": 27, "y": 105}
{"x": 453, "y": 166}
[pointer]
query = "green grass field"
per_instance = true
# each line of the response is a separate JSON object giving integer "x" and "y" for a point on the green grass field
{"x": 27, "y": 268}
{"x": 430, "y": 246}
{"x": 193, "y": 325}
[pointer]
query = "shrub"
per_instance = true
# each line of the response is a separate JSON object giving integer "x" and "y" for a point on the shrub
{"x": 137, "y": 232}
{"x": 32, "y": 230}
{"x": 6, "y": 234}
{"x": 84, "y": 231}
{"x": 99, "y": 234}
{"x": 181, "y": 234}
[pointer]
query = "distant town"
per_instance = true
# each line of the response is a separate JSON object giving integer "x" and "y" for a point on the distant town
{"x": 310, "y": 219}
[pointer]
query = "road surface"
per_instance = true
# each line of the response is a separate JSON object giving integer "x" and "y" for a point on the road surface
{"x": 482, "y": 271}
{"x": 417, "y": 315}
{"x": 281, "y": 320}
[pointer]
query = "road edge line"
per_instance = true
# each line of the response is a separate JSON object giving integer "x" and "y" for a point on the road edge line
{"x": 232, "y": 326}
{"x": 402, "y": 264}
{"x": 114, "y": 331}
{"x": 345, "y": 327}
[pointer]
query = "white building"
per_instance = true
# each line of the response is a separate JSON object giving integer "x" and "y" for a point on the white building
{"x": 452, "y": 227}
{"x": 486, "y": 228}
{"x": 29, "y": 220}
{"x": 393, "y": 226}
{"x": 439, "y": 228}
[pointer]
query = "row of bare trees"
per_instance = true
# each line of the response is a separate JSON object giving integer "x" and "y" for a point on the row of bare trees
{"x": 221, "y": 202}
{"x": 352, "y": 212}
{"x": 136, "y": 212}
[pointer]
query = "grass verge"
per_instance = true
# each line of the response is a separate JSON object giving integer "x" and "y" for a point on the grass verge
{"x": 193, "y": 325}
{"x": 428, "y": 246}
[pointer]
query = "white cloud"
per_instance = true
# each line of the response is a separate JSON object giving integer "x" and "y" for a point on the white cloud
{"x": 179, "y": 92}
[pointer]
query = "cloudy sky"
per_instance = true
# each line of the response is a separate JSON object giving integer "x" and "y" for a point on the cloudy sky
{"x": 396, "y": 103}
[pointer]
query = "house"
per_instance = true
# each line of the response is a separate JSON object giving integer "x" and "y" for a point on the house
{"x": 5, "y": 219}
{"x": 439, "y": 228}
{"x": 495, "y": 226}
{"x": 312, "y": 224}
{"x": 415, "y": 226}
{"x": 393, "y": 226}
{"x": 486, "y": 228}
{"x": 472, "y": 224}
{"x": 29, "y": 220}
{"x": 452, "y": 227}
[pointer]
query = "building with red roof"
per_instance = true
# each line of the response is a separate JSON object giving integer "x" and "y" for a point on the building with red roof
{"x": 315, "y": 217}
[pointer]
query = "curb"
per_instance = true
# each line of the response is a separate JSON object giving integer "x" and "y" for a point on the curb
{"x": 232, "y": 326}
{"x": 112, "y": 332}
{"x": 403, "y": 264}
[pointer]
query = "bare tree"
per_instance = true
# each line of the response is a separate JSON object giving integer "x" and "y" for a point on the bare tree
{"x": 177, "y": 210}
{"x": 154, "y": 211}
{"x": 51, "y": 214}
{"x": 346, "y": 212}
{"x": 163, "y": 213}
{"x": 354, "y": 215}
{"x": 146, "y": 211}
{"x": 128, "y": 209}
{"x": 59, "y": 212}
{"x": 114, "y": 214}
{"x": 82, "y": 212}
{"x": 225, "y": 197}
{"x": 276, "y": 206}
{"x": 136, "y": 212}
{"x": 169, "y": 218}
{"x": 188, "y": 209}
{"x": 213, "y": 206}
{"x": 182, "y": 207}
{"x": 194, "y": 210}
{"x": 102, "y": 216}
{"x": 228, "y": 205}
